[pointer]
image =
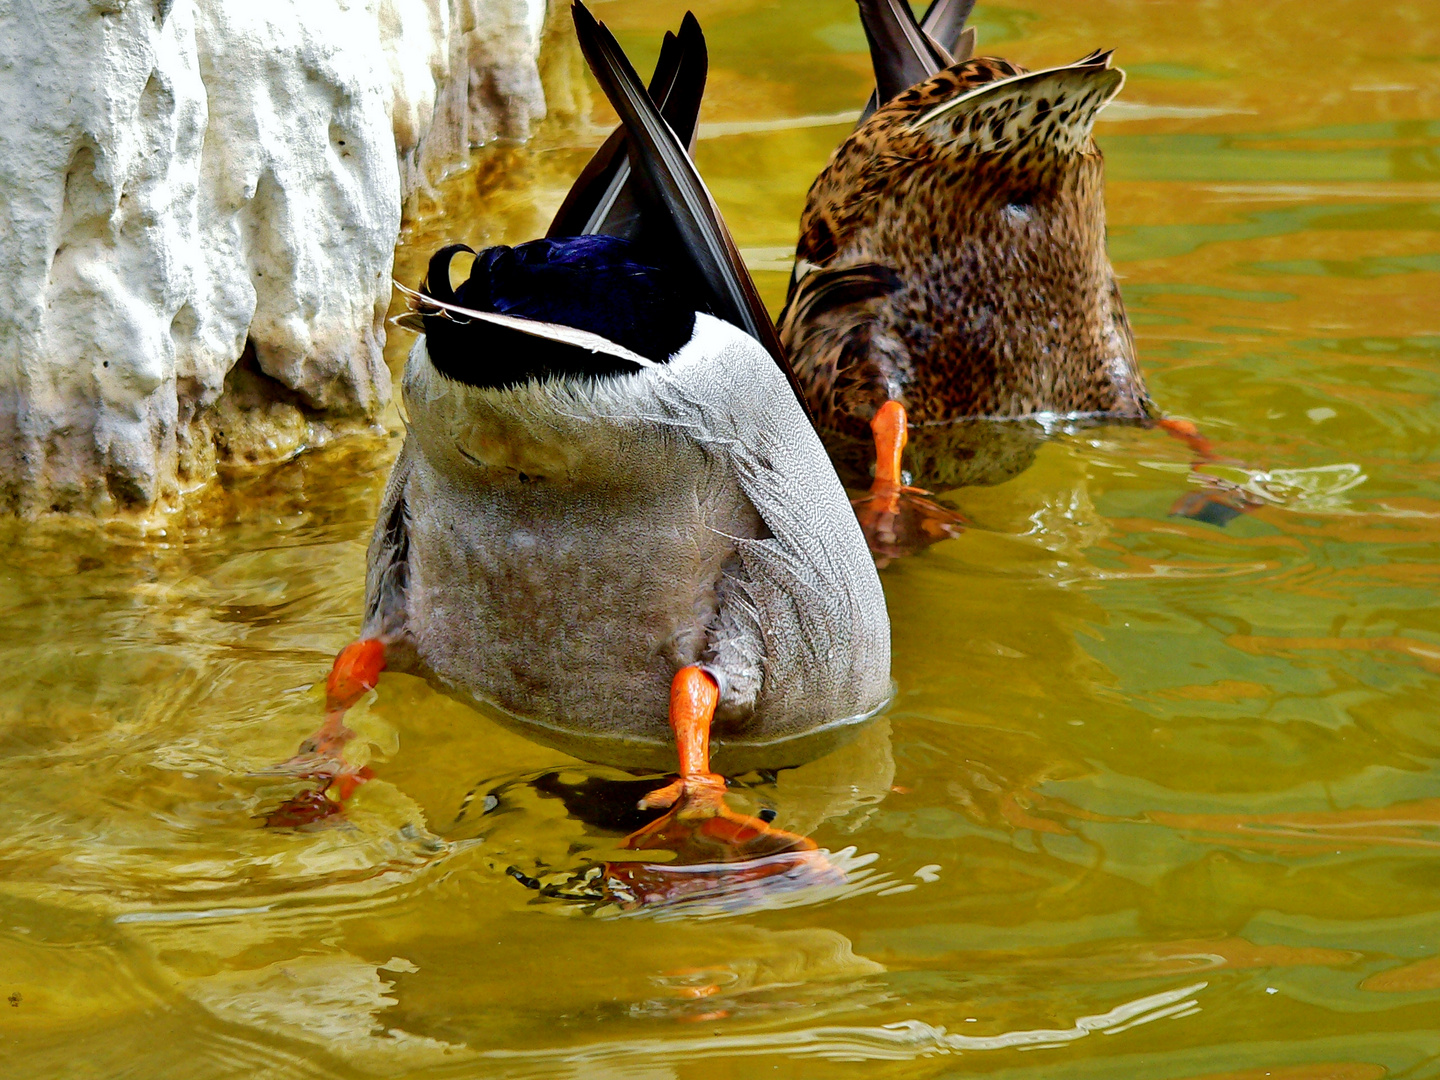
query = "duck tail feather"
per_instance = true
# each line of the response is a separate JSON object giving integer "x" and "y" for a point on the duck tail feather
{"x": 1054, "y": 108}
{"x": 964, "y": 47}
{"x": 944, "y": 24}
{"x": 602, "y": 199}
{"x": 670, "y": 188}
{"x": 1099, "y": 59}
{"x": 901, "y": 53}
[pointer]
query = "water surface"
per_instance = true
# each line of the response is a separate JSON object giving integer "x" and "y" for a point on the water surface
{"x": 1156, "y": 799}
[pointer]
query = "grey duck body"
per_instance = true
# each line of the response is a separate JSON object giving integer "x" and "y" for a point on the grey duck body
{"x": 561, "y": 548}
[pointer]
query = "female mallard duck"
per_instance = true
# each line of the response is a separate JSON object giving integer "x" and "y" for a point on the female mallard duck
{"x": 952, "y": 264}
{"x": 611, "y": 517}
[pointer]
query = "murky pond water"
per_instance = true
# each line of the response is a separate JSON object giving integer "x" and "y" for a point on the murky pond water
{"x": 1156, "y": 799}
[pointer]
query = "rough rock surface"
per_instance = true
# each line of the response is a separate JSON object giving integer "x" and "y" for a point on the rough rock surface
{"x": 199, "y": 202}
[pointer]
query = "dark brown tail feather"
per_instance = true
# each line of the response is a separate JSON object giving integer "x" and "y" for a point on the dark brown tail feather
{"x": 903, "y": 52}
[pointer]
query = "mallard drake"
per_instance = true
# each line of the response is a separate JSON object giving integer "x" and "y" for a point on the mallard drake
{"x": 951, "y": 265}
{"x": 612, "y": 518}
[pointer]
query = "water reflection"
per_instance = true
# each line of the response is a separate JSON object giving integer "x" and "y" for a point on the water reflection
{"x": 561, "y": 833}
{"x": 1129, "y": 751}
{"x": 900, "y": 1041}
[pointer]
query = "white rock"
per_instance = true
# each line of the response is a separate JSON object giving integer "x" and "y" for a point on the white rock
{"x": 179, "y": 179}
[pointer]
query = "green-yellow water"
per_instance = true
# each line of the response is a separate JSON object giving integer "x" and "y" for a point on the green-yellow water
{"x": 1156, "y": 799}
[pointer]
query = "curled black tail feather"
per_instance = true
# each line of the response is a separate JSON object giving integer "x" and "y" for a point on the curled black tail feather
{"x": 583, "y": 307}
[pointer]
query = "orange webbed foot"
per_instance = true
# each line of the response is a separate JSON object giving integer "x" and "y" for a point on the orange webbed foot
{"x": 318, "y": 803}
{"x": 715, "y": 850}
{"x": 699, "y": 827}
{"x": 697, "y": 791}
{"x": 719, "y": 855}
{"x": 321, "y": 755}
{"x": 1189, "y": 434}
{"x": 715, "y": 835}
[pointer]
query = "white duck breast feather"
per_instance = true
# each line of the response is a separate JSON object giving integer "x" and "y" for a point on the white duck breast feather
{"x": 561, "y": 548}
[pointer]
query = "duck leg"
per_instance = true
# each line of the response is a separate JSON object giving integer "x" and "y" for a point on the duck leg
{"x": 355, "y": 672}
{"x": 699, "y": 792}
{"x": 898, "y": 519}
{"x": 699, "y": 827}
{"x": 1219, "y": 502}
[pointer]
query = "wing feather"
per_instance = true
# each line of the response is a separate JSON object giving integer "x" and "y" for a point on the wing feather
{"x": 602, "y": 199}
{"x": 669, "y": 179}
{"x": 903, "y": 52}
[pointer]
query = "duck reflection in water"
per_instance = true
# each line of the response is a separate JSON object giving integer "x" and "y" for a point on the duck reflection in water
{"x": 951, "y": 284}
{"x": 611, "y": 517}
{"x": 576, "y": 859}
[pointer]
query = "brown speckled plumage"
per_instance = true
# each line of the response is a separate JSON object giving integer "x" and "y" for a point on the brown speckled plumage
{"x": 974, "y": 202}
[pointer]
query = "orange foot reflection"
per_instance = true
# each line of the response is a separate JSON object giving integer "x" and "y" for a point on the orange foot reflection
{"x": 897, "y": 519}
{"x": 1216, "y": 506}
{"x": 355, "y": 672}
{"x": 1219, "y": 502}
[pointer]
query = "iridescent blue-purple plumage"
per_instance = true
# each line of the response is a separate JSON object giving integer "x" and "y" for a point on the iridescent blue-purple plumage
{"x": 594, "y": 283}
